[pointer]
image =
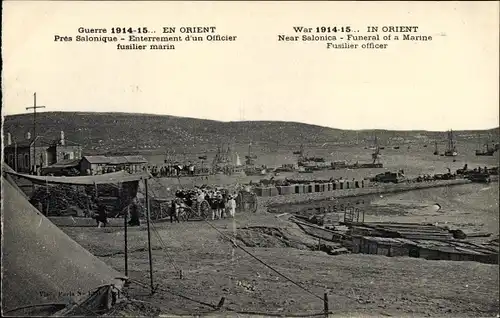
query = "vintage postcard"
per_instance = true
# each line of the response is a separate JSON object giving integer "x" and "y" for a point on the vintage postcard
{"x": 250, "y": 158}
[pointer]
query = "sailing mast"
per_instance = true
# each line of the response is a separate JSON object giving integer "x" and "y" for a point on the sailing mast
{"x": 484, "y": 152}
{"x": 376, "y": 153}
{"x": 249, "y": 158}
{"x": 478, "y": 148}
{"x": 452, "y": 150}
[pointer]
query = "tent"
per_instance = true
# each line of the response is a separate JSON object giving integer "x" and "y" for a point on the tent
{"x": 107, "y": 178}
{"x": 43, "y": 269}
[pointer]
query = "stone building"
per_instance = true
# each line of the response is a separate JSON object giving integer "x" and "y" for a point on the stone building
{"x": 24, "y": 157}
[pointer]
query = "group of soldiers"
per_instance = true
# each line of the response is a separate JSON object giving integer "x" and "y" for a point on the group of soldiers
{"x": 173, "y": 170}
{"x": 222, "y": 203}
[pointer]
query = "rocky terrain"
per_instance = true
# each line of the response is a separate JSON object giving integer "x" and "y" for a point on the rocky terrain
{"x": 118, "y": 132}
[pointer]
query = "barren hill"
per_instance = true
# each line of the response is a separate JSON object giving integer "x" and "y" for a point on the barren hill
{"x": 101, "y": 132}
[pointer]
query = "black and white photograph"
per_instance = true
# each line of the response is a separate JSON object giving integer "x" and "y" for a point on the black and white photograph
{"x": 250, "y": 159}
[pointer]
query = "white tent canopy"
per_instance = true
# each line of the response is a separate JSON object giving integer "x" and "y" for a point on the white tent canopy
{"x": 41, "y": 264}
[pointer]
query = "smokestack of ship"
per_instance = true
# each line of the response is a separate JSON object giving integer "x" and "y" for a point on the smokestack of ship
{"x": 62, "y": 138}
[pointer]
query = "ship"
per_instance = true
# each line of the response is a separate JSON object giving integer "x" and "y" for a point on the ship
{"x": 338, "y": 165}
{"x": 486, "y": 151}
{"x": 299, "y": 152}
{"x": 250, "y": 168}
{"x": 375, "y": 159}
{"x": 436, "y": 151}
{"x": 311, "y": 163}
{"x": 451, "y": 150}
{"x": 238, "y": 168}
{"x": 375, "y": 145}
{"x": 221, "y": 161}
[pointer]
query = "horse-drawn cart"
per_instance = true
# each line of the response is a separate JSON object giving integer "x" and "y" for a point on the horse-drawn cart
{"x": 191, "y": 207}
{"x": 162, "y": 209}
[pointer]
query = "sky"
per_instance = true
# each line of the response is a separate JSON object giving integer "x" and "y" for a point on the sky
{"x": 450, "y": 82}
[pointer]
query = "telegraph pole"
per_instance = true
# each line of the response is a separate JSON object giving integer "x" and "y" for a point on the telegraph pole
{"x": 34, "y": 107}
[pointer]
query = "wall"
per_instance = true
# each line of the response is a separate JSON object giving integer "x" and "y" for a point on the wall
{"x": 84, "y": 166}
{"x": 68, "y": 152}
{"x": 23, "y": 158}
{"x": 373, "y": 188}
{"x": 41, "y": 155}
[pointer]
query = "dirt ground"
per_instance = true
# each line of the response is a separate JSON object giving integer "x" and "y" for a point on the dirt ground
{"x": 213, "y": 268}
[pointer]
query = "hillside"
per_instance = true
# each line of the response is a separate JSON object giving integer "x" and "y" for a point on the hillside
{"x": 102, "y": 132}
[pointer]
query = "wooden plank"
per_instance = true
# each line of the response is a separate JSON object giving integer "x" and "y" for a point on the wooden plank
{"x": 428, "y": 238}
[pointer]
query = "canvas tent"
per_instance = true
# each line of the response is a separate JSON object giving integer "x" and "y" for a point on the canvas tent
{"x": 42, "y": 265}
{"x": 107, "y": 178}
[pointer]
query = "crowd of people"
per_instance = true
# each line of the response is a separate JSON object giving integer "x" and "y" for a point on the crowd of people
{"x": 222, "y": 203}
{"x": 176, "y": 170}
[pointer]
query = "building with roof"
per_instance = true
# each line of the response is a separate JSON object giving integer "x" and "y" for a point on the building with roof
{"x": 33, "y": 154}
{"x": 92, "y": 165}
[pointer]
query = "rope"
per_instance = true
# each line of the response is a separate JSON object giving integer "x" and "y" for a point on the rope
{"x": 174, "y": 293}
{"x": 264, "y": 263}
{"x": 258, "y": 259}
{"x": 253, "y": 256}
{"x": 164, "y": 247}
{"x": 139, "y": 283}
{"x": 36, "y": 305}
{"x": 48, "y": 194}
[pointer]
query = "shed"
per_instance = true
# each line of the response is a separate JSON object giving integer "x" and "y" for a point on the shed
{"x": 93, "y": 164}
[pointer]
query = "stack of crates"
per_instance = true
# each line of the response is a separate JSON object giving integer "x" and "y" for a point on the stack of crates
{"x": 263, "y": 192}
{"x": 273, "y": 191}
{"x": 365, "y": 183}
{"x": 286, "y": 190}
{"x": 317, "y": 187}
{"x": 310, "y": 188}
{"x": 299, "y": 188}
{"x": 341, "y": 185}
{"x": 329, "y": 186}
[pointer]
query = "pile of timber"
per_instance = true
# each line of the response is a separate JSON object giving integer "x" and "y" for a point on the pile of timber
{"x": 410, "y": 231}
{"x": 318, "y": 231}
{"x": 60, "y": 199}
